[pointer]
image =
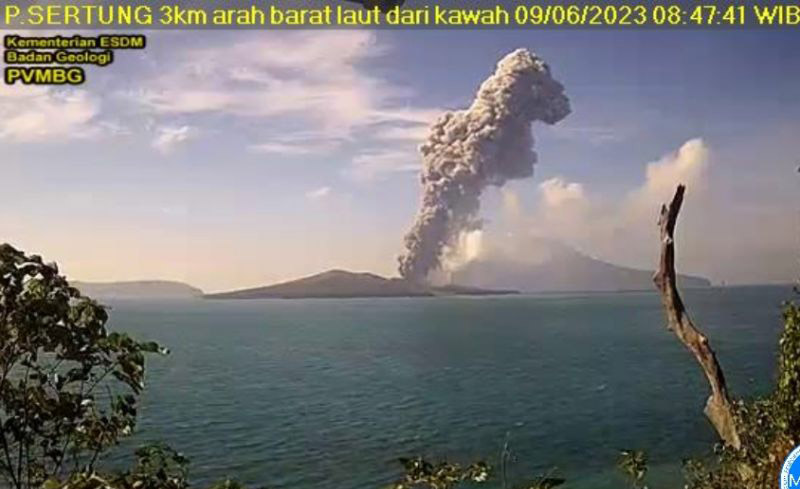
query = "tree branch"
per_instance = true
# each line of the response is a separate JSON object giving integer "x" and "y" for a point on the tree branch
{"x": 719, "y": 409}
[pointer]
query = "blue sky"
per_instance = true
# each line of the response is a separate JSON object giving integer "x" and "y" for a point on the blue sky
{"x": 231, "y": 159}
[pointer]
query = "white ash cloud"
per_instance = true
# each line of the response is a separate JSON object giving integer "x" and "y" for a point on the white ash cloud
{"x": 468, "y": 150}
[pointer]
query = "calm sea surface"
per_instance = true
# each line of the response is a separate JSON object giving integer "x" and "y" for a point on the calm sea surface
{"x": 328, "y": 393}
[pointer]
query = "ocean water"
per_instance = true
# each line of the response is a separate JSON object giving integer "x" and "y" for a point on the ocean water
{"x": 313, "y": 394}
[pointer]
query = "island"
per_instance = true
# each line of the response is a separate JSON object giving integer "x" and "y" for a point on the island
{"x": 138, "y": 289}
{"x": 339, "y": 284}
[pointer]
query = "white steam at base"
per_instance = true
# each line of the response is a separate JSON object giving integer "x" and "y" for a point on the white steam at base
{"x": 467, "y": 150}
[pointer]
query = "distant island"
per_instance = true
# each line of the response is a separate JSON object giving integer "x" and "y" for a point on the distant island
{"x": 139, "y": 289}
{"x": 560, "y": 268}
{"x": 338, "y": 284}
{"x": 556, "y": 268}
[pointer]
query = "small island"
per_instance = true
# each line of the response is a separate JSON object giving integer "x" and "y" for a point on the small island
{"x": 139, "y": 289}
{"x": 341, "y": 284}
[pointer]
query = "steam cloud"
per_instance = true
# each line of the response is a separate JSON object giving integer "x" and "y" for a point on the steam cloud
{"x": 467, "y": 150}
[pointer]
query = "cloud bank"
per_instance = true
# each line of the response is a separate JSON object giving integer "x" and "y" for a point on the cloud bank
{"x": 717, "y": 238}
{"x": 290, "y": 94}
{"x": 30, "y": 114}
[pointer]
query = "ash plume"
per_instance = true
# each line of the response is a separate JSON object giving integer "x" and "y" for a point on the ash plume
{"x": 467, "y": 150}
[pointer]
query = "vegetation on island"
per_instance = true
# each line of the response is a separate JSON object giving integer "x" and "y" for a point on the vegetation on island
{"x": 69, "y": 391}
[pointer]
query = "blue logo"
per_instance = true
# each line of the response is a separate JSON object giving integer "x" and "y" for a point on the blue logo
{"x": 790, "y": 475}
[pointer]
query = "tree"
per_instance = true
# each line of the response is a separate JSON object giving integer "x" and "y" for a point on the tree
{"x": 633, "y": 463}
{"x": 420, "y": 473}
{"x": 758, "y": 434}
{"x": 157, "y": 466}
{"x": 719, "y": 409}
{"x": 769, "y": 427}
{"x": 68, "y": 386}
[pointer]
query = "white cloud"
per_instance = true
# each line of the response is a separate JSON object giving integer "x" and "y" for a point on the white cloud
{"x": 596, "y": 135}
{"x": 283, "y": 148}
{"x": 718, "y": 237}
{"x": 168, "y": 138}
{"x": 556, "y": 192}
{"x": 315, "y": 75}
{"x": 298, "y": 143}
{"x": 416, "y": 133}
{"x": 421, "y": 117}
{"x": 686, "y": 165}
{"x": 314, "y": 80}
{"x": 34, "y": 113}
{"x": 399, "y": 142}
{"x": 377, "y": 165}
{"x": 319, "y": 193}
{"x": 30, "y": 113}
{"x": 619, "y": 229}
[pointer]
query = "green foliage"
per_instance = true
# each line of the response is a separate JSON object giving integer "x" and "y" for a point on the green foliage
{"x": 157, "y": 467}
{"x": 769, "y": 427}
{"x": 633, "y": 463}
{"x": 787, "y": 396}
{"x": 68, "y": 386}
{"x": 420, "y": 473}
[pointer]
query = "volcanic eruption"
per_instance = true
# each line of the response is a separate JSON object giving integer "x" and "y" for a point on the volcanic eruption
{"x": 467, "y": 150}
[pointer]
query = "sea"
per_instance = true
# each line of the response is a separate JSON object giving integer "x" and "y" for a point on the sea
{"x": 330, "y": 393}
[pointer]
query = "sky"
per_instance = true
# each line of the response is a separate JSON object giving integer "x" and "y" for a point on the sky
{"x": 232, "y": 159}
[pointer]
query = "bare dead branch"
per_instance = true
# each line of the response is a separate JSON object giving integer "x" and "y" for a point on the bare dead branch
{"x": 719, "y": 409}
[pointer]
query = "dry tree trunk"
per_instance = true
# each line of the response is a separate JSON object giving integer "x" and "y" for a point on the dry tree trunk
{"x": 719, "y": 409}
